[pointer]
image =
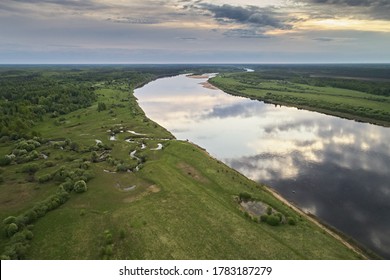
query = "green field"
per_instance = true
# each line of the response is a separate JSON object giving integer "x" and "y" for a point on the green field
{"x": 171, "y": 203}
{"x": 326, "y": 95}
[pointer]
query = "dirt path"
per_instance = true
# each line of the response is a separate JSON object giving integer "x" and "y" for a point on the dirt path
{"x": 332, "y": 233}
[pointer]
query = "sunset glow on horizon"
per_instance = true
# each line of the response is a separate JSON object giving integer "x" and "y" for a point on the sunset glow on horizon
{"x": 180, "y": 31}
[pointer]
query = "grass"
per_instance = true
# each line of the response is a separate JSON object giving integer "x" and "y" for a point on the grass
{"x": 351, "y": 104}
{"x": 182, "y": 203}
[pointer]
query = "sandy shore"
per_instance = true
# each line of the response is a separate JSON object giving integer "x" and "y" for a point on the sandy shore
{"x": 198, "y": 76}
{"x": 208, "y": 85}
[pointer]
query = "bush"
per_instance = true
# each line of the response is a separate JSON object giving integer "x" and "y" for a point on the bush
{"x": 80, "y": 186}
{"x": 11, "y": 229}
{"x": 49, "y": 163}
{"x": 68, "y": 186}
{"x": 273, "y": 220}
{"x": 269, "y": 210}
{"x": 45, "y": 178}
{"x": 28, "y": 234}
{"x": 5, "y": 160}
{"x": 19, "y": 152}
{"x": 30, "y": 168}
{"x": 244, "y": 196}
{"x": 101, "y": 106}
{"x": 9, "y": 220}
{"x": 30, "y": 216}
{"x": 121, "y": 168}
{"x": 280, "y": 216}
{"x": 40, "y": 209}
{"x": 291, "y": 221}
{"x": 263, "y": 218}
{"x": 94, "y": 156}
{"x": 122, "y": 233}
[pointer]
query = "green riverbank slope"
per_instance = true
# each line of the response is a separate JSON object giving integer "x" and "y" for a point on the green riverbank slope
{"x": 351, "y": 98}
{"x": 102, "y": 181}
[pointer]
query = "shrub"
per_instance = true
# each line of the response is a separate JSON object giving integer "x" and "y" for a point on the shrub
{"x": 61, "y": 174}
{"x": 68, "y": 186}
{"x": 30, "y": 216}
{"x": 244, "y": 196}
{"x": 30, "y": 168}
{"x": 269, "y": 210}
{"x": 19, "y": 152}
{"x": 101, "y": 106}
{"x": 40, "y": 209}
{"x": 84, "y": 165}
{"x": 94, "y": 156}
{"x": 273, "y": 220}
{"x": 9, "y": 220}
{"x": 108, "y": 238}
{"x": 121, "y": 168}
{"x": 5, "y": 160}
{"x": 45, "y": 178}
{"x": 11, "y": 229}
{"x": 28, "y": 234}
{"x": 108, "y": 250}
{"x": 122, "y": 233}
{"x": 263, "y": 218}
{"x": 280, "y": 216}
{"x": 80, "y": 186}
{"x": 49, "y": 163}
{"x": 291, "y": 221}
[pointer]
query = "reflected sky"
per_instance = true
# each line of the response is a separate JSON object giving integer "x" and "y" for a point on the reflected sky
{"x": 334, "y": 168}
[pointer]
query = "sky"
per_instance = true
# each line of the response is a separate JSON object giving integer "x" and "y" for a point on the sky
{"x": 194, "y": 31}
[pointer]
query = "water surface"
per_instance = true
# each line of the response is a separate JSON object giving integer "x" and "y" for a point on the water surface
{"x": 334, "y": 168}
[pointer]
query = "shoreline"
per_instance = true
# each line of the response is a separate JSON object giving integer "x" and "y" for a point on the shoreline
{"x": 314, "y": 219}
{"x": 328, "y": 112}
{"x": 274, "y": 193}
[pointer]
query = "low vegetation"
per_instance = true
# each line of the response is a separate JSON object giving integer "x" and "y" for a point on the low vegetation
{"x": 359, "y": 98}
{"x": 69, "y": 192}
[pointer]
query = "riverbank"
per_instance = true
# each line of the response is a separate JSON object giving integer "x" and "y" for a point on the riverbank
{"x": 344, "y": 103}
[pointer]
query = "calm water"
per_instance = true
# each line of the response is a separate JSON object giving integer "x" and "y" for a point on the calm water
{"x": 334, "y": 168}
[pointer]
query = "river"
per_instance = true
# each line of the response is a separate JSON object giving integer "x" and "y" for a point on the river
{"x": 334, "y": 168}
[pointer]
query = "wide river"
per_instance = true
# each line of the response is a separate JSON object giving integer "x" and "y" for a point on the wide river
{"x": 336, "y": 169}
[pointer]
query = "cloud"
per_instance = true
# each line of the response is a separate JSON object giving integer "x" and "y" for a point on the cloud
{"x": 87, "y": 4}
{"x": 187, "y": 38}
{"x": 133, "y": 20}
{"x": 374, "y": 9}
{"x": 364, "y": 3}
{"x": 324, "y": 39}
{"x": 244, "y": 33}
{"x": 252, "y": 15}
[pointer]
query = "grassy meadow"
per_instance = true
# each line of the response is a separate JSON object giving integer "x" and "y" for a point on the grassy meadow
{"x": 171, "y": 203}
